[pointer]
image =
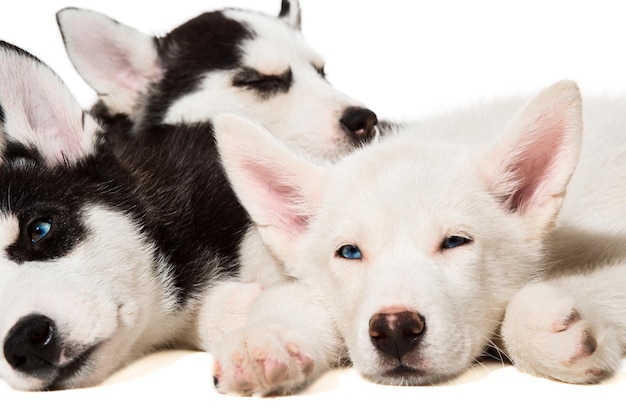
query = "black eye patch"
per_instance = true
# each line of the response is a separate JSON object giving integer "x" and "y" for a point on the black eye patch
{"x": 265, "y": 85}
{"x": 47, "y": 205}
{"x": 46, "y": 237}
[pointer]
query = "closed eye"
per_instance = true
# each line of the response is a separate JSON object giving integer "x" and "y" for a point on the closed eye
{"x": 454, "y": 241}
{"x": 263, "y": 83}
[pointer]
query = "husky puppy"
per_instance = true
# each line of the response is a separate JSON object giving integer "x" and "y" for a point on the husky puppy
{"x": 106, "y": 252}
{"x": 230, "y": 60}
{"x": 408, "y": 251}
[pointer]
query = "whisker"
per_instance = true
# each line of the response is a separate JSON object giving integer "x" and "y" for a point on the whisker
{"x": 494, "y": 351}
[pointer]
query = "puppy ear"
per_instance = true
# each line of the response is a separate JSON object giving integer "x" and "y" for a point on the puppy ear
{"x": 279, "y": 189}
{"x": 38, "y": 112}
{"x": 117, "y": 61}
{"x": 291, "y": 13}
{"x": 529, "y": 170}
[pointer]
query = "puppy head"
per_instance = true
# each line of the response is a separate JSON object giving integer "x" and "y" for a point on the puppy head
{"x": 228, "y": 61}
{"x": 418, "y": 246}
{"x": 72, "y": 261}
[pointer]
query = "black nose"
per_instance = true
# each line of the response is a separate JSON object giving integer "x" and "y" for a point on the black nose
{"x": 396, "y": 334}
{"x": 360, "y": 123}
{"x": 31, "y": 345}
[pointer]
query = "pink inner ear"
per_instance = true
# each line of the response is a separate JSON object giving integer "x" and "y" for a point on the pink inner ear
{"x": 282, "y": 200}
{"x": 114, "y": 62}
{"x": 534, "y": 168}
{"x": 110, "y": 55}
{"x": 54, "y": 117}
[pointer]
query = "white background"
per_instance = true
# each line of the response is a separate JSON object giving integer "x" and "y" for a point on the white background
{"x": 404, "y": 59}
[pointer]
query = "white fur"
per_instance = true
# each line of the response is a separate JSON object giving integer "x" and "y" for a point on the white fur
{"x": 117, "y": 301}
{"x": 571, "y": 328}
{"x": 398, "y": 200}
{"x": 10, "y": 231}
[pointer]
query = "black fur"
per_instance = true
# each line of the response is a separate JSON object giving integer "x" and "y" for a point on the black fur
{"x": 208, "y": 42}
{"x": 191, "y": 211}
{"x": 31, "y": 191}
{"x": 168, "y": 180}
{"x": 15, "y": 153}
{"x": 285, "y": 8}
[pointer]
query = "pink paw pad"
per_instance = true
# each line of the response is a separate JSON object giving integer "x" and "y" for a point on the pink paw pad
{"x": 306, "y": 363}
{"x": 242, "y": 380}
{"x": 586, "y": 347}
{"x": 274, "y": 371}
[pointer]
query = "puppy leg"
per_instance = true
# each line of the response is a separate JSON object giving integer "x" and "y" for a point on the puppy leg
{"x": 225, "y": 307}
{"x": 289, "y": 341}
{"x": 558, "y": 329}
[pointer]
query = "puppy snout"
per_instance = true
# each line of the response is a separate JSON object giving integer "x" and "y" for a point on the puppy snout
{"x": 396, "y": 333}
{"x": 360, "y": 123}
{"x": 31, "y": 345}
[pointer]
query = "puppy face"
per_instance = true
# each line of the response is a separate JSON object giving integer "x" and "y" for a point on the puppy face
{"x": 72, "y": 304}
{"x": 422, "y": 259}
{"x": 279, "y": 82}
{"x": 417, "y": 246}
{"x": 78, "y": 280}
{"x": 229, "y": 61}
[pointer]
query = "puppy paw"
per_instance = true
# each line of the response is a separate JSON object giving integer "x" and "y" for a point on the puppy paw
{"x": 573, "y": 344}
{"x": 262, "y": 360}
{"x": 545, "y": 334}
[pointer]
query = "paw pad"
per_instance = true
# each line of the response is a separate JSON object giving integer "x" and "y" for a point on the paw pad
{"x": 305, "y": 361}
{"x": 586, "y": 347}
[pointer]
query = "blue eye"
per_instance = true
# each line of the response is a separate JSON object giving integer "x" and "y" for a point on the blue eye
{"x": 349, "y": 252}
{"x": 39, "y": 229}
{"x": 452, "y": 242}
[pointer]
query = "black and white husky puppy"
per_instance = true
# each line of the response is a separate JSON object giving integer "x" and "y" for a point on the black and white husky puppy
{"x": 106, "y": 252}
{"x": 230, "y": 60}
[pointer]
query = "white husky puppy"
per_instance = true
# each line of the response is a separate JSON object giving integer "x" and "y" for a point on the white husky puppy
{"x": 408, "y": 251}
